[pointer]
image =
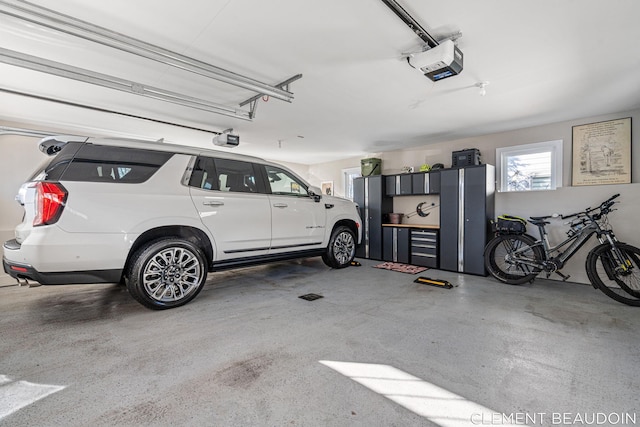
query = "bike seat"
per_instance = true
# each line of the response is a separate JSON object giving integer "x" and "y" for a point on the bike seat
{"x": 539, "y": 220}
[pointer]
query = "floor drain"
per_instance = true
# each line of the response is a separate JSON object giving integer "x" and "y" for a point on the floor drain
{"x": 311, "y": 297}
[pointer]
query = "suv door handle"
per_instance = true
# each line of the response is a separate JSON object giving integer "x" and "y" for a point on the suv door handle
{"x": 213, "y": 203}
{"x": 280, "y": 205}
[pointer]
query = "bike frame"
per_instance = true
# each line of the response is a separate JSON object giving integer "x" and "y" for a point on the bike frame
{"x": 578, "y": 240}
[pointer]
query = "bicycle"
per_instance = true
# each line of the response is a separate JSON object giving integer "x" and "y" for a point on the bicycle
{"x": 613, "y": 267}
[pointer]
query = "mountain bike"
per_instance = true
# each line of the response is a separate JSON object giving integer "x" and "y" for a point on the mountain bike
{"x": 515, "y": 257}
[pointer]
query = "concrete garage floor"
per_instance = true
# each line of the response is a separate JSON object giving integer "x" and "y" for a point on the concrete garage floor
{"x": 247, "y": 352}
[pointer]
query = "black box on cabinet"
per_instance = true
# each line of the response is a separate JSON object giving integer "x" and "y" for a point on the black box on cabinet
{"x": 466, "y": 157}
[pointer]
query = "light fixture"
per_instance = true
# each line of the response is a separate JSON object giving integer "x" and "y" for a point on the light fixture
{"x": 482, "y": 86}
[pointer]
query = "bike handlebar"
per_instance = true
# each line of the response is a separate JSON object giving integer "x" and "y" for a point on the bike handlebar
{"x": 603, "y": 206}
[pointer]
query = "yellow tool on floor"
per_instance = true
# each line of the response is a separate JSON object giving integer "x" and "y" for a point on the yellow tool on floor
{"x": 434, "y": 282}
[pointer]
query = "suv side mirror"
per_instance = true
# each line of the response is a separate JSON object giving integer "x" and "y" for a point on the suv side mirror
{"x": 315, "y": 192}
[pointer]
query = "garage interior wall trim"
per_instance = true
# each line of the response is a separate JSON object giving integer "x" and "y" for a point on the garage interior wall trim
{"x": 57, "y": 21}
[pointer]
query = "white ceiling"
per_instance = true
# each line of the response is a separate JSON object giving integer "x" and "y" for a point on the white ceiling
{"x": 546, "y": 61}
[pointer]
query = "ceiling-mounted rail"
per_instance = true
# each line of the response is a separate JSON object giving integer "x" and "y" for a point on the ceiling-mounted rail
{"x": 411, "y": 23}
{"x": 31, "y": 62}
{"x": 8, "y": 130}
{"x": 60, "y": 22}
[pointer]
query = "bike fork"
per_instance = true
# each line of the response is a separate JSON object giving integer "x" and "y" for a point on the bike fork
{"x": 619, "y": 262}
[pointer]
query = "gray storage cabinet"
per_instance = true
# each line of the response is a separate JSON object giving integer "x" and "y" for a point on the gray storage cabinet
{"x": 374, "y": 205}
{"x": 424, "y": 247}
{"x": 466, "y": 207}
{"x": 398, "y": 185}
{"x": 426, "y": 183}
{"x": 396, "y": 244}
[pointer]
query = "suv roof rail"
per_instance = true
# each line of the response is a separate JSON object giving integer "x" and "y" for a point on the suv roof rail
{"x": 50, "y": 145}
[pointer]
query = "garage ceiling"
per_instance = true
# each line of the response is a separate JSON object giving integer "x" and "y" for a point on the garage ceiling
{"x": 545, "y": 61}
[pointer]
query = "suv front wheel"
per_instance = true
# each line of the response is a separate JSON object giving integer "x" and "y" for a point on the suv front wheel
{"x": 166, "y": 273}
{"x": 341, "y": 249}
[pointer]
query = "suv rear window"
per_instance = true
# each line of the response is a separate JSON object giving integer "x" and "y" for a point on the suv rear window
{"x": 101, "y": 163}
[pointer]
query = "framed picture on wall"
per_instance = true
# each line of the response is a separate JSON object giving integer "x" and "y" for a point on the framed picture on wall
{"x": 602, "y": 153}
{"x": 327, "y": 188}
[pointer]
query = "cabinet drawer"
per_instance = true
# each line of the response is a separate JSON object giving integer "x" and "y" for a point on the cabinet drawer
{"x": 424, "y": 240}
{"x": 424, "y": 249}
{"x": 427, "y": 234}
{"x": 424, "y": 260}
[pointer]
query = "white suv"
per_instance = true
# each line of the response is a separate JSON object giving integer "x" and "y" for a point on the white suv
{"x": 160, "y": 216}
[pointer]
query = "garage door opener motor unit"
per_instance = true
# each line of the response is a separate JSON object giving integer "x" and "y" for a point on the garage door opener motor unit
{"x": 442, "y": 59}
{"x": 227, "y": 139}
{"x": 440, "y": 62}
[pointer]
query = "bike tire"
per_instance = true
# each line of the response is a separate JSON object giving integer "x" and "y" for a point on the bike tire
{"x": 502, "y": 248}
{"x": 623, "y": 287}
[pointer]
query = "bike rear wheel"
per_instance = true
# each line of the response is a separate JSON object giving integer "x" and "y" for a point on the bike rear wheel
{"x": 622, "y": 283}
{"x": 503, "y": 256}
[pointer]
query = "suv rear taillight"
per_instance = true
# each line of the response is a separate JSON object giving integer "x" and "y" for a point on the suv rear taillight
{"x": 50, "y": 200}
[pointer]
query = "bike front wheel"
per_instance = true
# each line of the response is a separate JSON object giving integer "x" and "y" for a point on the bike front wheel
{"x": 618, "y": 279}
{"x": 508, "y": 258}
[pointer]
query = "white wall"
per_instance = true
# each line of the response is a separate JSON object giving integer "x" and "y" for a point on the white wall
{"x": 566, "y": 199}
{"x": 20, "y": 157}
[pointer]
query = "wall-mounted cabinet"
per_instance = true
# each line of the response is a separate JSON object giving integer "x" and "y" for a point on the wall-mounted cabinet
{"x": 398, "y": 185}
{"x": 426, "y": 183}
{"x": 412, "y": 184}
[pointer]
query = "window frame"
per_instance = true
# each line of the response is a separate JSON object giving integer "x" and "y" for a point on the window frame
{"x": 258, "y": 174}
{"x": 348, "y": 184}
{"x": 291, "y": 175}
{"x": 554, "y": 147}
{"x": 89, "y": 162}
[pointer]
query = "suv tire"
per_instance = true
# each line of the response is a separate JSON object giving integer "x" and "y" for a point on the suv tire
{"x": 166, "y": 273}
{"x": 341, "y": 249}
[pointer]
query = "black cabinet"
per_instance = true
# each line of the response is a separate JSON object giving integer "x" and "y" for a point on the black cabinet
{"x": 398, "y": 185}
{"x": 374, "y": 205}
{"x": 466, "y": 206}
{"x": 408, "y": 184}
{"x": 424, "y": 247}
{"x": 390, "y": 185}
{"x": 396, "y": 244}
{"x": 426, "y": 183}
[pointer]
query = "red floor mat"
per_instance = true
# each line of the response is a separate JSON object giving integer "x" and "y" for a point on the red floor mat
{"x": 402, "y": 268}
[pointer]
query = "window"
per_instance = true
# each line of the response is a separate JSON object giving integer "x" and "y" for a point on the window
{"x": 349, "y": 175}
{"x": 101, "y": 163}
{"x": 236, "y": 176}
{"x": 530, "y": 167}
{"x": 282, "y": 182}
{"x": 204, "y": 174}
